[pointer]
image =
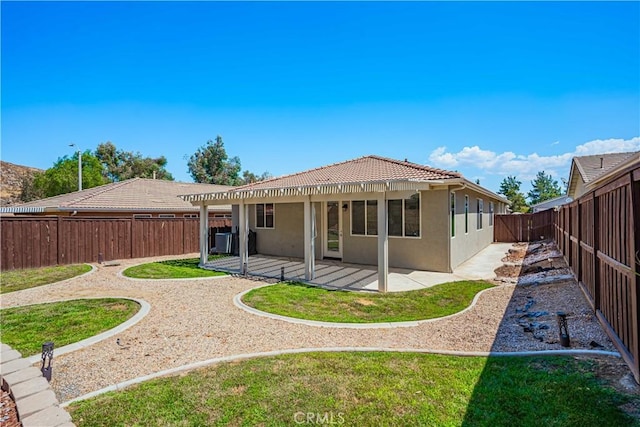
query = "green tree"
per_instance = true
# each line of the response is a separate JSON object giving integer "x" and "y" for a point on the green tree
{"x": 510, "y": 188}
{"x": 28, "y": 191}
{"x": 250, "y": 177}
{"x": 62, "y": 177}
{"x": 119, "y": 165}
{"x": 544, "y": 187}
{"x": 210, "y": 164}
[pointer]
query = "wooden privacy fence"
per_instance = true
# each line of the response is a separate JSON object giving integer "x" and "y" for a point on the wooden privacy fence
{"x": 523, "y": 227}
{"x": 27, "y": 242}
{"x": 597, "y": 235}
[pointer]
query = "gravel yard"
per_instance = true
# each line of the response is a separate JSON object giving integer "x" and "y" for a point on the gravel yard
{"x": 196, "y": 320}
{"x": 544, "y": 287}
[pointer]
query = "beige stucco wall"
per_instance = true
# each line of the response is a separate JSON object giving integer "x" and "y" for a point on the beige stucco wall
{"x": 465, "y": 245}
{"x": 435, "y": 250}
{"x": 287, "y": 237}
{"x": 424, "y": 253}
{"x": 580, "y": 188}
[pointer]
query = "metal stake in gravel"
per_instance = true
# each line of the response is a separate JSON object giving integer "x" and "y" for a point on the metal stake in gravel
{"x": 565, "y": 341}
{"x": 47, "y": 360}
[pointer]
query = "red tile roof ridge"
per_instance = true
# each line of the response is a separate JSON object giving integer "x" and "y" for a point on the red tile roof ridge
{"x": 72, "y": 198}
{"x": 101, "y": 189}
{"x": 386, "y": 159}
{"x": 417, "y": 166}
{"x": 621, "y": 153}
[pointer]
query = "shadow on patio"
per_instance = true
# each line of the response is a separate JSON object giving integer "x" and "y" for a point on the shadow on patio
{"x": 354, "y": 277}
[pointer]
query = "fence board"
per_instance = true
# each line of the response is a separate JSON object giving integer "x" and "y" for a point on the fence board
{"x": 513, "y": 228}
{"x": 29, "y": 242}
{"x": 601, "y": 250}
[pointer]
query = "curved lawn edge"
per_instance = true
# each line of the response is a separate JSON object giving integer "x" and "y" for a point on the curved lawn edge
{"x": 183, "y": 279}
{"x": 246, "y": 356}
{"x": 93, "y": 270}
{"x": 237, "y": 301}
{"x": 145, "y": 307}
{"x": 120, "y": 274}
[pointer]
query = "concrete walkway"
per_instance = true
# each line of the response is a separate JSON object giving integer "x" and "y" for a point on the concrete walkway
{"x": 338, "y": 275}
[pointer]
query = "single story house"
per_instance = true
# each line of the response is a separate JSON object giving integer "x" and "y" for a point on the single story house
{"x": 137, "y": 197}
{"x": 370, "y": 210}
{"x": 587, "y": 171}
{"x": 551, "y": 203}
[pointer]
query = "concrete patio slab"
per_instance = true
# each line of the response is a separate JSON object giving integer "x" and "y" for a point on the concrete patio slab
{"x": 354, "y": 277}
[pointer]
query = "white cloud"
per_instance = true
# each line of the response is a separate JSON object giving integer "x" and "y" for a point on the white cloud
{"x": 525, "y": 166}
{"x": 600, "y": 146}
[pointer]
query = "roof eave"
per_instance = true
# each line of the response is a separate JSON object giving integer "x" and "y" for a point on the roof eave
{"x": 314, "y": 189}
{"x": 59, "y": 209}
{"x": 478, "y": 188}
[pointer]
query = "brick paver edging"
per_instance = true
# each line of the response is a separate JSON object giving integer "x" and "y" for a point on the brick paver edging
{"x": 36, "y": 403}
{"x": 35, "y": 400}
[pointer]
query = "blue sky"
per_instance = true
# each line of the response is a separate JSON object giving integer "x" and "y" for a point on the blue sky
{"x": 488, "y": 89}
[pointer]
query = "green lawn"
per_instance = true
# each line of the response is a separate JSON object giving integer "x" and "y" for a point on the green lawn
{"x": 312, "y": 303}
{"x": 16, "y": 280}
{"x": 369, "y": 389}
{"x": 172, "y": 269}
{"x": 26, "y": 328}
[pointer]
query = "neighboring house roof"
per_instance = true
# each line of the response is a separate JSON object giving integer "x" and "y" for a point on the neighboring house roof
{"x": 588, "y": 169}
{"x": 137, "y": 194}
{"x": 551, "y": 203}
{"x": 364, "y": 174}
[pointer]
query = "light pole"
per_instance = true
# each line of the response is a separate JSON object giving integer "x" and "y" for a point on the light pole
{"x": 79, "y": 167}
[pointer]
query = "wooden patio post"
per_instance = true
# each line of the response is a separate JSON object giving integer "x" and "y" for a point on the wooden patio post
{"x": 204, "y": 234}
{"x": 243, "y": 237}
{"x": 309, "y": 256}
{"x": 383, "y": 244}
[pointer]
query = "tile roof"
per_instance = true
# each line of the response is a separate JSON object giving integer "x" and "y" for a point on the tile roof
{"x": 592, "y": 167}
{"x": 137, "y": 194}
{"x": 362, "y": 169}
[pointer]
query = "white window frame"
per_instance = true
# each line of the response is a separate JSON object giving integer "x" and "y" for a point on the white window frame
{"x": 466, "y": 214}
{"x": 191, "y": 215}
{"x": 166, "y": 215}
{"x": 226, "y": 215}
{"x": 366, "y": 228}
{"x": 452, "y": 214}
{"x": 479, "y": 212}
{"x": 142, "y": 216}
{"x": 265, "y": 216}
{"x": 491, "y": 213}
{"x": 404, "y": 219}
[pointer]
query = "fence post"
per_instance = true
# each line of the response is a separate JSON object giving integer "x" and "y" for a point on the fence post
{"x": 184, "y": 233}
{"x": 520, "y": 229}
{"x": 579, "y": 249}
{"x": 634, "y": 215}
{"x": 132, "y": 225}
{"x": 596, "y": 247}
{"x": 58, "y": 226}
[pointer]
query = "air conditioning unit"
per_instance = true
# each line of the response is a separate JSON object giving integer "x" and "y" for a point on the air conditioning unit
{"x": 223, "y": 243}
